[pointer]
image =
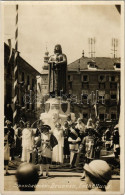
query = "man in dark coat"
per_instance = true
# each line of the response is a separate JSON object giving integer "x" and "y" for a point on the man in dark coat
{"x": 116, "y": 142}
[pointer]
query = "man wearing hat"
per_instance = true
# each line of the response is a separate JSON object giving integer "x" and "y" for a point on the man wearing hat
{"x": 45, "y": 143}
{"x": 74, "y": 140}
{"x": 116, "y": 141}
{"x": 97, "y": 174}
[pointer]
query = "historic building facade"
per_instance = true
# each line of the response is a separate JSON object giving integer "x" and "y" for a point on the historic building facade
{"x": 26, "y": 87}
{"x": 94, "y": 88}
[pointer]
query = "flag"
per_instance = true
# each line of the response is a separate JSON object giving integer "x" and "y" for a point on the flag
{"x": 10, "y": 47}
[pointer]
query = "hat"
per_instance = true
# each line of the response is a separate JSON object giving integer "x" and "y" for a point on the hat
{"x": 99, "y": 169}
{"x": 45, "y": 128}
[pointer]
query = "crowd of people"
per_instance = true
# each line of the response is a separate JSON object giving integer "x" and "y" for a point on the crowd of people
{"x": 67, "y": 143}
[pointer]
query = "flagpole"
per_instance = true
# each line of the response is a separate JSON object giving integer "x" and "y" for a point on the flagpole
{"x": 15, "y": 69}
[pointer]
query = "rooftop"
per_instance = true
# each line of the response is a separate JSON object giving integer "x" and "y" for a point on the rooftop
{"x": 101, "y": 63}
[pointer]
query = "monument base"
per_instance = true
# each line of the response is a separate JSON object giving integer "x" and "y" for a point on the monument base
{"x": 56, "y": 110}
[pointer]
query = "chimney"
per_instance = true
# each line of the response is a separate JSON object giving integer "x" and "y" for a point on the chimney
{"x": 83, "y": 53}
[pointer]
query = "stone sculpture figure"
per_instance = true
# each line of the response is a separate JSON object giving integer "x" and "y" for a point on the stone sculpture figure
{"x": 57, "y": 72}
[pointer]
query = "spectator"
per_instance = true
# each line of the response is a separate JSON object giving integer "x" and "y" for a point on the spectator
{"x": 81, "y": 126}
{"x": 6, "y": 150}
{"x": 27, "y": 177}
{"x": 27, "y": 143}
{"x": 107, "y": 137}
{"x": 87, "y": 146}
{"x": 116, "y": 142}
{"x": 11, "y": 138}
{"x": 57, "y": 154}
{"x": 74, "y": 140}
{"x": 66, "y": 143}
{"x": 45, "y": 143}
{"x": 97, "y": 174}
{"x": 18, "y": 134}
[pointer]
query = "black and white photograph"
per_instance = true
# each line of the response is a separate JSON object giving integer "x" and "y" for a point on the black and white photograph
{"x": 63, "y": 97}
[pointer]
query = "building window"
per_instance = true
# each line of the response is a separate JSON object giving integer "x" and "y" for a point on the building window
{"x": 84, "y": 97}
{"x": 117, "y": 65}
{"x": 101, "y": 96}
{"x": 22, "y": 77}
{"x": 101, "y": 117}
{"x": 113, "y": 96}
{"x": 70, "y": 77}
{"x": 85, "y": 115}
{"x": 28, "y": 106}
{"x": 101, "y": 85}
{"x": 112, "y": 78}
{"x": 92, "y": 64}
{"x": 85, "y": 78}
{"x": 113, "y": 116}
{"x": 113, "y": 85}
{"x": 70, "y": 85}
{"x": 102, "y": 78}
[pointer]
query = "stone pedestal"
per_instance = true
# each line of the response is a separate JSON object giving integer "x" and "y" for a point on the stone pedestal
{"x": 56, "y": 110}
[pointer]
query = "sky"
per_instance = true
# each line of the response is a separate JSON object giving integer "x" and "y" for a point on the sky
{"x": 42, "y": 26}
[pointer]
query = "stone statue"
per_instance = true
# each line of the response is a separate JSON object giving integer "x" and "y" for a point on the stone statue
{"x": 57, "y": 72}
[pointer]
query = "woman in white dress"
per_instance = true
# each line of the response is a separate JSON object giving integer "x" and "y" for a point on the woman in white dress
{"x": 27, "y": 143}
{"x": 57, "y": 154}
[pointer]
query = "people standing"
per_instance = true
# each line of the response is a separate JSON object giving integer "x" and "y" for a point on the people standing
{"x": 45, "y": 143}
{"x": 18, "y": 134}
{"x": 116, "y": 146}
{"x": 11, "y": 139}
{"x": 57, "y": 154}
{"x": 69, "y": 120}
{"x": 27, "y": 143}
{"x": 81, "y": 126}
{"x": 107, "y": 138}
{"x": 74, "y": 140}
{"x": 88, "y": 146}
{"x": 88, "y": 143}
{"x": 66, "y": 151}
{"x": 6, "y": 149}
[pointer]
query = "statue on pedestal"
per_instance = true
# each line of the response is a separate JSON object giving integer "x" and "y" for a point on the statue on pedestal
{"x": 57, "y": 72}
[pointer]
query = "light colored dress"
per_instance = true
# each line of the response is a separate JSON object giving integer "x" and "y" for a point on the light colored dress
{"x": 57, "y": 154}
{"x": 27, "y": 144}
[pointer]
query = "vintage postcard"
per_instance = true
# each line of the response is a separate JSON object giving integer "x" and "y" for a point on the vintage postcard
{"x": 62, "y": 97}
